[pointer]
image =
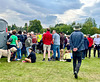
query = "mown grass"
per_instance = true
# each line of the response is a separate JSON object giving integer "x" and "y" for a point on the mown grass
{"x": 53, "y": 71}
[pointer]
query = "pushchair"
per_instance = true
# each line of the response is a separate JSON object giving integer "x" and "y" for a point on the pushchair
{"x": 39, "y": 47}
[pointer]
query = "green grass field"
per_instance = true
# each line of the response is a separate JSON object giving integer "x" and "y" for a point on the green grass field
{"x": 53, "y": 71}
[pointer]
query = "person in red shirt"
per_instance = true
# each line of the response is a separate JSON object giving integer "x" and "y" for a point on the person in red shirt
{"x": 34, "y": 41}
{"x": 90, "y": 44}
{"x": 47, "y": 39}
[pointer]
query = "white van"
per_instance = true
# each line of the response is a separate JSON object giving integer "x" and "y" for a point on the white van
{"x": 3, "y": 34}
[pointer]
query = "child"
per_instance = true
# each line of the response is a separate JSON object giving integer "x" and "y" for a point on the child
{"x": 19, "y": 49}
{"x": 31, "y": 58}
{"x": 67, "y": 56}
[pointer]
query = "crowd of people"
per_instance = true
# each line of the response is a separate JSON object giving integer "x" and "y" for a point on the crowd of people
{"x": 54, "y": 43}
{"x": 40, "y": 43}
{"x": 28, "y": 44}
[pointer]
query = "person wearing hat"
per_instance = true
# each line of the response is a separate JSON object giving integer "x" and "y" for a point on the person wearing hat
{"x": 77, "y": 46}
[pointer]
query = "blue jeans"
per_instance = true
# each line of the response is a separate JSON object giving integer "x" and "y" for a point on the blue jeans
{"x": 23, "y": 50}
{"x": 56, "y": 48}
{"x": 27, "y": 49}
{"x": 64, "y": 46}
{"x": 18, "y": 53}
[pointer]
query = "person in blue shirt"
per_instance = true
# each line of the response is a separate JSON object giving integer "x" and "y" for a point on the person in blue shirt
{"x": 56, "y": 45}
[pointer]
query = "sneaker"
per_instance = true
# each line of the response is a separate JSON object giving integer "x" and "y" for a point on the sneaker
{"x": 24, "y": 61}
{"x": 62, "y": 60}
{"x": 18, "y": 59}
{"x": 82, "y": 58}
{"x": 75, "y": 75}
{"x": 49, "y": 59}
{"x": 43, "y": 59}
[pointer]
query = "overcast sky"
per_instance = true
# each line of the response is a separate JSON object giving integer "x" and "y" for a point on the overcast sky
{"x": 49, "y": 12}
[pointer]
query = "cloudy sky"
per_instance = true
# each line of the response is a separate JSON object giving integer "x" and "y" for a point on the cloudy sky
{"x": 49, "y": 12}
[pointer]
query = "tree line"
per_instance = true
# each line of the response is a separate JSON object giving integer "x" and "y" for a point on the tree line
{"x": 88, "y": 27}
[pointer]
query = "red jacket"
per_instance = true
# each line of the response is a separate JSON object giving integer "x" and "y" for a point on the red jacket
{"x": 90, "y": 41}
{"x": 47, "y": 38}
{"x": 34, "y": 39}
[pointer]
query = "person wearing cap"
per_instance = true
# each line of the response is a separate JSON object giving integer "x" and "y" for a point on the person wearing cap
{"x": 77, "y": 46}
{"x": 31, "y": 58}
{"x": 23, "y": 50}
{"x": 97, "y": 45}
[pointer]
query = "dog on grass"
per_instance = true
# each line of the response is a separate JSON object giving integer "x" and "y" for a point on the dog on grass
{"x": 7, "y": 53}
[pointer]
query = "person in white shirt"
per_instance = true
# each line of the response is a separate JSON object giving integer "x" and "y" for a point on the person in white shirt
{"x": 97, "y": 45}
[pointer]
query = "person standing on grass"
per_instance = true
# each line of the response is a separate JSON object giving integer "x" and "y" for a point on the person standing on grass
{"x": 47, "y": 39}
{"x": 28, "y": 43}
{"x": 90, "y": 44}
{"x": 23, "y": 50}
{"x": 34, "y": 41}
{"x": 86, "y": 44}
{"x": 14, "y": 43}
{"x": 19, "y": 49}
{"x": 97, "y": 45}
{"x": 56, "y": 46}
{"x": 68, "y": 43}
{"x": 77, "y": 46}
{"x": 61, "y": 46}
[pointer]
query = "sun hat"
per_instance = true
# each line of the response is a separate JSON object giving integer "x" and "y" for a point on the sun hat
{"x": 76, "y": 27}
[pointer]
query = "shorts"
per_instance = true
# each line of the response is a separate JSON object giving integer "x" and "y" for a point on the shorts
{"x": 46, "y": 47}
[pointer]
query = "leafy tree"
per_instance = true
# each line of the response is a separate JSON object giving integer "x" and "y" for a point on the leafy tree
{"x": 95, "y": 30}
{"x": 26, "y": 27}
{"x": 35, "y": 25}
{"x": 88, "y": 25}
{"x": 43, "y": 30}
{"x": 14, "y": 27}
{"x": 73, "y": 23}
{"x": 61, "y": 24}
{"x": 9, "y": 28}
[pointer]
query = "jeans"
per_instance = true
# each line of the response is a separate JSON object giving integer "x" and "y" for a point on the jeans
{"x": 68, "y": 47}
{"x": 64, "y": 46}
{"x": 27, "y": 49}
{"x": 14, "y": 54}
{"x": 56, "y": 48}
{"x": 33, "y": 46}
{"x": 84, "y": 54}
{"x": 89, "y": 48}
{"x": 23, "y": 50}
{"x": 77, "y": 57}
{"x": 18, "y": 53}
{"x": 98, "y": 49}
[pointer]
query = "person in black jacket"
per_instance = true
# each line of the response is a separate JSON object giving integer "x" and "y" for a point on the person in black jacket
{"x": 86, "y": 44}
{"x": 31, "y": 58}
